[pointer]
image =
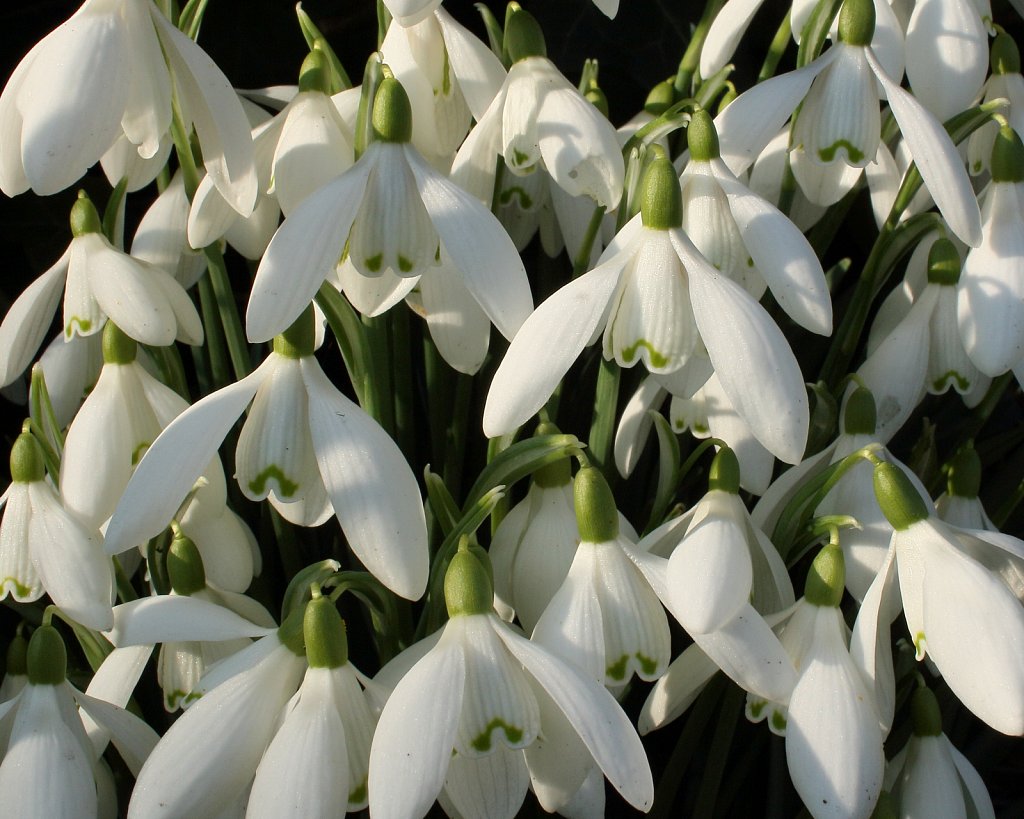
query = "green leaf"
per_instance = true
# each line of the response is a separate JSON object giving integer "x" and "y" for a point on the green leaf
{"x": 315, "y": 40}
{"x": 191, "y": 18}
{"x": 113, "y": 214}
{"x": 521, "y": 459}
{"x": 812, "y": 38}
{"x": 668, "y": 468}
{"x": 348, "y": 331}
{"x": 445, "y": 509}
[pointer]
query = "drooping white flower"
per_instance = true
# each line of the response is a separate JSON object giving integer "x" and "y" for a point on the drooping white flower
{"x": 839, "y": 119}
{"x": 1005, "y": 82}
{"x": 109, "y": 70}
{"x": 657, "y": 300}
{"x": 488, "y": 710}
{"x": 392, "y": 209}
{"x": 307, "y": 447}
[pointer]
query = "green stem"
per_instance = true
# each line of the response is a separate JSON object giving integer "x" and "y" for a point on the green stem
{"x": 691, "y": 57}
{"x": 377, "y": 379}
{"x": 405, "y": 420}
{"x": 350, "y": 334}
{"x": 602, "y": 424}
{"x": 124, "y": 587}
{"x": 238, "y": 348}
{"x": 718, "y": 753}
{"x": 216, "y": 348}
{"x": 172, "y": 371}
{"x": 582, "y": 261}
{"x": 776, "y": 49}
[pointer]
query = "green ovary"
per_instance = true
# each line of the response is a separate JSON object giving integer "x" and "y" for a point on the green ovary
{"x": 513, "y": 734}
{"x": 273, "y": 472}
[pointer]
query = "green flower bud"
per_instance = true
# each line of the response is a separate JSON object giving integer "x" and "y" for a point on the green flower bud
{"x": 299, "y": 339}
{"x": 392, "y": 113}
{"x": 943, "y": 263}
{"x": 859, "y": 418}
{"x": 185, "y": 566}
{"x": 315, "y": 74}
{"x": 17, "y": 657}
{"x": 964, "y": 476}
{"x": 84, "y": 218}
{"x": 467, "y": 584}
{"x": 1005, "y": 55}
{"x": 925, "y": 713}
{"x": 900, "y": 502}
{"x": 47, "y": 661}
{"x": 523, "y": 36}
{"x": 27, "y": 462}
{"x": 702, "y": 138}
{"x": 554, "y": 474}
{"x": 661, "y": 200}
{"x": 826, "y": 578}
{"x": 118, "y": 348}
{"x": 857, "y": 22}
{"x": 597, "y": 516}
{"x": 595, "y": 96}
{"x": 661, "y": 98}
{"x": 724, "y": 474}
{"x": 324, "y": 633}
{"x": 1007, "y": 157}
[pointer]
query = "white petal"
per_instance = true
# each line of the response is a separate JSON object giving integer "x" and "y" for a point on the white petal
{"x": 410, "y": 12}
{"x": 930, "y": 785}
{"x": 372, "y": 489}
{"x": 169, "y": 469}
{"x": 973, "y": 784}
{"x": 375, "y": 295}
{"x": 28, "y": 320}
{"x": 418, "y": 726}
{"x": 18, "y": 576}
{"x": 728, "y": 27}
{"x": 635, "y": 425}
{"x": 174, "y": 618}
{"x": 677, "y": 689}
{"x": 479, "y": 72}
{"x": 494, "y": 785}
{"x": 458, "y": 325}
{"x": 547, "y": 345}
{"x": 870, "y": 646}
{"x": 478, "y": 246}
{"x": 936, "y": 158}
{"x": 824, "y": 185}
{"x": 132, "y": 737}
{"x": 147, "y": 114}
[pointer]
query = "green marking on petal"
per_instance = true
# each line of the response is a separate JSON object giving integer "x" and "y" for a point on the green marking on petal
{"x": 16, "y": 586}
{"x": 657, "y": 359}
{"x": 919, "y": 645}
{"x": 617, "y": 671}
{"x": 139, "y": 451}
{"x": 778, "y": 721}
{"x": 286, "y": 487}
{"x": 404, "y": 264}
{"x": 513, "y": 734}
{"x": 358, "y": 796}
{"x": 750, "y": 262}
{"x": 647, "y": 665}
{"x": 853, "y": 153}
{"x": 943, "y": 381}
{"x": 373, "y": 263}
{"x": 521, "y": 161}
{"x": 84, "y": 326}
{"x": 701, "y": 429}
{"x": 756, "y": 708}
{"x": 516, "y": 192}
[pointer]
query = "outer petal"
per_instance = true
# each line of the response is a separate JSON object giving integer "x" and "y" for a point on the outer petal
{"x": 494, "y": 785}
{"x": 132, "y": 737}
{"x": 174, "y": 618}
{"x": 28, "y": 320}
{"x": 676, "y": 689}
{"x": 870, "y": 646}
{"x": 479, "y": 72}
{"x": 728, "y": 27}
{"x": 547, "y": 345}
{"x": 752, "y": 358}
{"x": 458, "y": 325}
{"x": 418, "y": 726}
{"x": 635, "y": 425}
{"x": 936, "y": 158}
{"x": 18, "y": 576}
{"x": 169, "y": 469}
{"x": 410, "y": 12}
{"x": 478, "y": 246}
{"x": 372, "y": 489}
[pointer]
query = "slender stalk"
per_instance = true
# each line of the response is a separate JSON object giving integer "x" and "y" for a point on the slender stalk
{"x": 602, "y": 424}
{"x": 776, "y": 49}
{"x": 216, "y": 349}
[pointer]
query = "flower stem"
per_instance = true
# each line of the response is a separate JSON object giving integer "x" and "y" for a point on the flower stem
{"x": 602, "y": 424}
{"x": 776, "y": 49}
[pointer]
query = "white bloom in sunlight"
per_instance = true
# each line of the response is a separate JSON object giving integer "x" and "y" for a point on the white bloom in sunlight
{"x": 410, "y": 12}
{"x": 70, "y": 367}
{"x": 657, "y": 300}
{"x": 98, "y": 281}
{"x": 487, "y": 710}
{"x": 1005, "y": 82}
{"x": 109, "y": 70}
{"x": 990, "y": 307}
{"x": 839, "y": 119}
{"x": 766, "y": 178}
{"x": 929, "y": 776}
{"x": 46, "y": 548}
{"x": 161, "y": 238}
{"x": 306, "y": 446}
{"x": 392, "y": 209}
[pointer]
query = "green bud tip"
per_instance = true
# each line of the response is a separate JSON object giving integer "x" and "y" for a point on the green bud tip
{"x": 47, "y": 661}
{"x": 859, "y": 416}
{"x": 324, "y": 633}
{"x": 185, "y": 565}
{"x": 315, "y": 73}
{"x": 299, "y": 339}
{"x": 964, "y": 475}
{"x": 661, "y": 200}
{"x": 943, "y": 263}
{"x": 1007, "y": 157}
{"x": 27, "y": 462}
{"x": 899, "y": 501}
{"x": 392, "y": 113}
{"x": 1005, "y": 55}
{"x": 118, "y": 348}
{"x": 17, "y": 656}
{"x": 467, "y": 584}
{"x": 702, "y": 138}
{"x": 925, "y": 713}
{"x": 724, "y": 474}
{"x": 597, "y": 516}
{"x": 523, "y": 35}
{"x": 826, "y": 577}
{"x": 857, "y": 22}
{"x": 595, "y": 96}
{"x": 661, "y": 98}
{"x": 84, "y": 218}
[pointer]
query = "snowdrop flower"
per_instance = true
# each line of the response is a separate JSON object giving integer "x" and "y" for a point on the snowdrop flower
{"x": 98, "y": 281}
{"x": 410, "y": 12}
{"x": 307, "y": 447}
{"x": 960, "y": 505}
{"x": 990, "y": 307}
{"x": 392, "y": 209}
{"x": 951, "y": 600}
{"x": 831, "y": 724}
{"x": 480, "y": 696}
{"x": 929, "y": 776}
{"x": 657, "y": 300}
{"x": 109, "y": 69}
{"x": 52, "y": 758}
{"x": 1005, "y": 82}
{"x": 605, "y": 617}
{"x": 45, "y": 548}
{"x": 538, "y": 119}
{"x": 839, "y": 119}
